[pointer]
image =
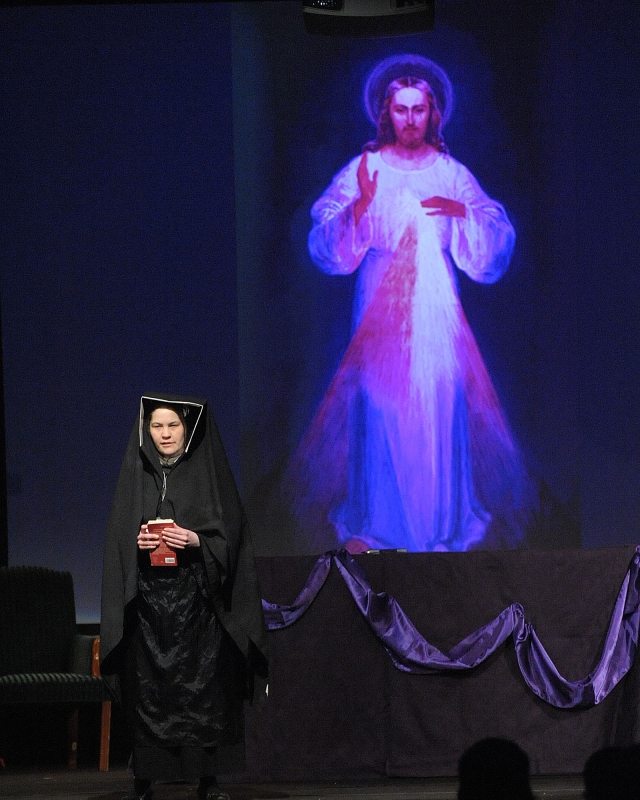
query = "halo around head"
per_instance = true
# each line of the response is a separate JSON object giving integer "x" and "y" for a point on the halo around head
{"x": 402, "y": 66}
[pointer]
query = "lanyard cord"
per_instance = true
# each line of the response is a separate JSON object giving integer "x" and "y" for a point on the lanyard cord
{"x": 163, "y": 491}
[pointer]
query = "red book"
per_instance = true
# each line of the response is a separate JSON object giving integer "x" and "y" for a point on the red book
{"x": 163, "y": 555}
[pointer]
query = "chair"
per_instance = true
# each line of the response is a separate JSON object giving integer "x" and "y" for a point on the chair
{"x": 43, "y": 660}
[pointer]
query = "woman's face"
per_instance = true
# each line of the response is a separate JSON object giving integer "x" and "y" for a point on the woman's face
{"x": 167, "y": 432}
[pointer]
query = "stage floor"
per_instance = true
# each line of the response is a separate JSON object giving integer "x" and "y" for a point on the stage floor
{"x": 115, "y": 784}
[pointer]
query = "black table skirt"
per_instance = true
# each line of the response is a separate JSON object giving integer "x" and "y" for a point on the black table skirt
{"x": 338, "y": 708}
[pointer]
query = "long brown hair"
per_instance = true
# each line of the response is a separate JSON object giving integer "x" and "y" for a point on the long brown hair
{"x": 386, "y": 134}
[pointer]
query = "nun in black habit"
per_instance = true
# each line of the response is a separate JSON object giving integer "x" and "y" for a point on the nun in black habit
{"x": 181, "y": 646}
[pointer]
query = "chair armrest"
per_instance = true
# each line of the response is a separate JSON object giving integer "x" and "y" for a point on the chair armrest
{"x": 82, "y": 654}
{"x": 95, "y": 657}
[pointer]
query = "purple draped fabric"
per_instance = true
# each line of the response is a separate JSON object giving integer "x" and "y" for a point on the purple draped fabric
{"x": 411, "y": 652}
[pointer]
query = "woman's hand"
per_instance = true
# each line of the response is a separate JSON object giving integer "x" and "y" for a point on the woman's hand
{"x": 178, "y": 538}
{"x": 444, "y": 207}
{"x": 367, "y": 187}
{"x": 147, "y": 540}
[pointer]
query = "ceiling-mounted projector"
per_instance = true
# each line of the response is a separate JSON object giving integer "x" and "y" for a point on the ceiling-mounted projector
{"x": 368, "y": 17}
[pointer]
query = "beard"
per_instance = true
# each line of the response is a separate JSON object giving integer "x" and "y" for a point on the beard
{"x": 410, "y": 138}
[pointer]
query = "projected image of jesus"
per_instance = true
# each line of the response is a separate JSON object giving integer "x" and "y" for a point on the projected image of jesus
{"x": 410, "y": 447}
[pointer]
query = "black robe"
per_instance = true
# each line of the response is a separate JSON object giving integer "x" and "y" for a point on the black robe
{"x": 182, "y": 646}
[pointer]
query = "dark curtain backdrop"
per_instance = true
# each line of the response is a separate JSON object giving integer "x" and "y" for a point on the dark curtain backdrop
{"x": 159, "y": 163}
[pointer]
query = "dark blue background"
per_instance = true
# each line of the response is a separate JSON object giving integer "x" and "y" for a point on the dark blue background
{"x": 118, "y": 253}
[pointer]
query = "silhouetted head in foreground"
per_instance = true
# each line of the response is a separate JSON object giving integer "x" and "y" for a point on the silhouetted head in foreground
{"x": 494, "y": 769}
{"x": 613, "y": 773}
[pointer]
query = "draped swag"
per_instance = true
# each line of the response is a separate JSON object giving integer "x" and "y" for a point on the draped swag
{"x": 411, "y": 652}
